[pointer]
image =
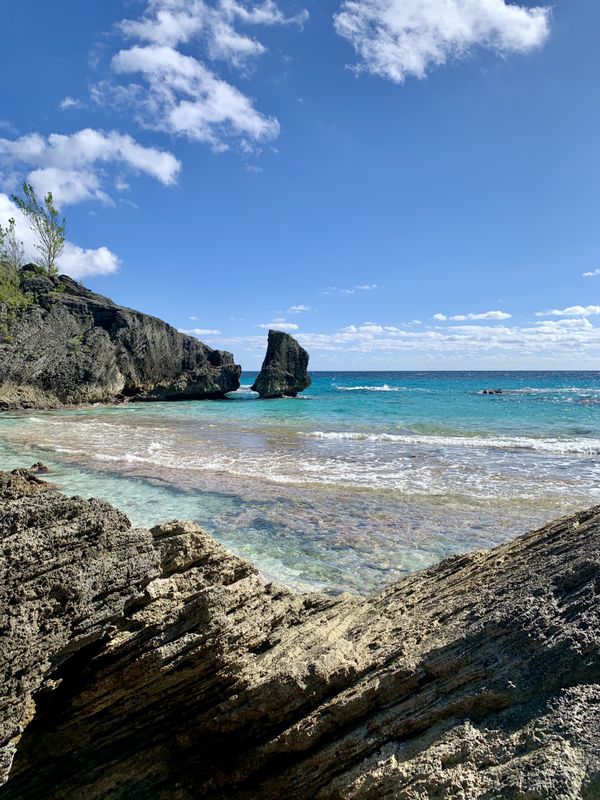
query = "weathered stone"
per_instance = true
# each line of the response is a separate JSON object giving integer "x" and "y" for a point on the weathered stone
{"x": 73, "y": 346}
{"x": 155, "y": 664}
{"x": 284, "y": 370}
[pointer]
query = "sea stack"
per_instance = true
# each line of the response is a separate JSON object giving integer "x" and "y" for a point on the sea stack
{"x": 284, "y": 370}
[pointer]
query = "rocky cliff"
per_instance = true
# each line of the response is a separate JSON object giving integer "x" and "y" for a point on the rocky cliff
{"x": 69, "y": 345}
{"x": 284, "y": 370}
{"x": 155, "y": 664}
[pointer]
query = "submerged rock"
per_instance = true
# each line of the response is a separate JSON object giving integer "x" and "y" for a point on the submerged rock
{"x": 284, "y": 370}
{"x": 155, "y": 664}
{"x": 71, "y": 346}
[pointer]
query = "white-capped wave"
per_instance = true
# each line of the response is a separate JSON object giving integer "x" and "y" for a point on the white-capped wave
{"x": 558, "y": 446}
{"x": 384, "y": 388}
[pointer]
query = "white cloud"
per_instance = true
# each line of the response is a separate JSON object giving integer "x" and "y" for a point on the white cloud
{"x": 570, "y": 311}
{"x": 484, "y": 315}
{"x": 550, "y": 343}
{"x": 278, "y": 325}
{"x": 74, "y": 166}
{"x": 179, "y": 94}
{"x": 200, "y": 331}
{"x": 398, "y": 38}
{"x": 70, "y": 102}
{"x": 76, "y": 261}
{"x": 176, "y": 22}
{"x": 184, "y": 97}
{"x": 360, "y": 287}
{"x": 299, "y": 309}
{"x": 79, "y": 262}
{"x": 593, "y": 274}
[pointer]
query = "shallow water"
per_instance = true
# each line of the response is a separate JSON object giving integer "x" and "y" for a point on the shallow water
{"x": 365, "y": 477}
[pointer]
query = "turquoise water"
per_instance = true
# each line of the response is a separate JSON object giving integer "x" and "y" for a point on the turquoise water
{"x": 363, "y": 478}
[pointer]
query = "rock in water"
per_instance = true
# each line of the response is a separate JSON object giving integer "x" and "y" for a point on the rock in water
{"x": 70, "y": 346}
{"x": 284, "y": 370}
{"x": 155, "y": 664}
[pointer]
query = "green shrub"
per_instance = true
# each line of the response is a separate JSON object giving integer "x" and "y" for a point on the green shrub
{"x": 11, "y": 294}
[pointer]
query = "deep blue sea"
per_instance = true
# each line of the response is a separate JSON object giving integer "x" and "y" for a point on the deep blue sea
{"x": 363, "y": 478}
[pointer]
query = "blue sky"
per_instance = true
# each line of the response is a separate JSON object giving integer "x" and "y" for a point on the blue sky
{"x": 403, "y": 184}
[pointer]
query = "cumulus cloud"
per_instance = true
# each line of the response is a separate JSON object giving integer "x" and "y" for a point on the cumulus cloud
{"x": 200, "y": 331}
{"x": 76, "y": 261}
{"x": 299, "y": 309}
{"x": 80, "y": 262}
{"x": 593, "y": 274}
{"x": 570, "y": 311}
{"x": 177, "y": 92}
{"x": 279, "y": 324}
{"x": 74, "y": 166}
{"x": 184, "y": 97}
{"x": 398, "y": 38}
{"x": 498, "y": 315}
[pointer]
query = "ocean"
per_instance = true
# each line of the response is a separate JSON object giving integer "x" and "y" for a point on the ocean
{"x": 363, "y": 478}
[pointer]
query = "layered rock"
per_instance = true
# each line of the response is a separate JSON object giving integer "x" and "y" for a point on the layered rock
{"x": 284, "y": 370}
{"x": 155, "y": 664}
{"x": 73, "y": 346}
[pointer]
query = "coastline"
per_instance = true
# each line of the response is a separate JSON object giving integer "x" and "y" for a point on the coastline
{"x": 348, "y": 488}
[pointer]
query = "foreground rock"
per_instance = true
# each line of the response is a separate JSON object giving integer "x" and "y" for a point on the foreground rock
{"x": 154, "y": 664}
{"x": 72, "y": 346}
{"x": 284, "y": 370}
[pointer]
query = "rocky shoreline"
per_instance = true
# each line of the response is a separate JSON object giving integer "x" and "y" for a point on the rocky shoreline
{"x": 153, "y": 663}
{"x": 68, "y": 346}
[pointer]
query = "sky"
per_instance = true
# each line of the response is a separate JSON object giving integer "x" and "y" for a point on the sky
{"x": 401, "y": 184}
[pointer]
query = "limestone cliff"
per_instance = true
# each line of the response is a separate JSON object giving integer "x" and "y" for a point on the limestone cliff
{"x": 71, "y": 346}
{"x": 284, "y": 370}
{"x": 155, "y": 664}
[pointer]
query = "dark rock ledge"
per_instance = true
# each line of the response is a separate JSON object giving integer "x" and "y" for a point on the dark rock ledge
{"x": 155, "y": 664}
{"x": 70, "y": 346}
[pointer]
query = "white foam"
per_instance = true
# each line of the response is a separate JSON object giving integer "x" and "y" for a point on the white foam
{"x": 558, "y": 446}
{"x": 384, "y": 388}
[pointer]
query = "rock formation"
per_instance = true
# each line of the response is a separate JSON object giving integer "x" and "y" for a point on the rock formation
{"x": 155, "y": 664}
{"x": 71, "y": 346}
{"x": 284, "y": 370}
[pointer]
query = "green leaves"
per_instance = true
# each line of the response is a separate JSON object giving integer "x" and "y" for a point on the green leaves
{"x": 43, "y": 218}
{"x": 12, "y": 253}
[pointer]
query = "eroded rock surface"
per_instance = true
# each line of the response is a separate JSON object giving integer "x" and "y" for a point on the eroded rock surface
{"x": 284, "y": 370}
{"x": 155, "y": 664}
{"x": 73, "y": 346}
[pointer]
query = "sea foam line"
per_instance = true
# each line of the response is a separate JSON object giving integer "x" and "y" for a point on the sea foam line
{"x": 384, "y": 388}
{"x": 556, "y": 446}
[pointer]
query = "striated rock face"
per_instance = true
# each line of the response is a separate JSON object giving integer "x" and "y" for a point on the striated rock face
{"x": 284, "y": 370}
{"x": 155, "y": 664}
{"x": 74, "y": 346}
